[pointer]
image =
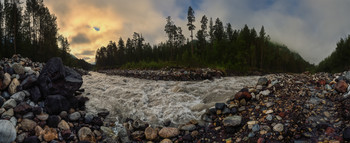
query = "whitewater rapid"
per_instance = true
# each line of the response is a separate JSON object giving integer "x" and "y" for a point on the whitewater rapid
{"x": 155, "y": 101}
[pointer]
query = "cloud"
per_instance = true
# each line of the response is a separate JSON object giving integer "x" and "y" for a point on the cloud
{"x": 86, "y": 53}
{"x": 309, "y": 27}
{"x": 80, "y": 39}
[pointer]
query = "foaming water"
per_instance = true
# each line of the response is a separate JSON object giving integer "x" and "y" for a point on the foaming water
{"x": 155, "y": 101}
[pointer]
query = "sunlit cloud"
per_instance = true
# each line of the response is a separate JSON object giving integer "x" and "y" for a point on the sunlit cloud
{"x": 309, "y": 27}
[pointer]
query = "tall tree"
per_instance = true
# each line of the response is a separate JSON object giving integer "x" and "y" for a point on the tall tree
{"x": 219, "y": 32}
{"x": 211, "y": 30}
{"x": 191, "y": 19}
{"x": 261, "y": 45}
{"x": 229, "y": 32}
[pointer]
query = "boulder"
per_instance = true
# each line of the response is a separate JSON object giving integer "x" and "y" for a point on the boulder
{"x": 263, "y": 81}
{"x": 55, "y": 104}
{"x": 57, "y": 79}
{"x": 35, "y": 94}
{"x": 7, "y": 132}
{"x": 243, "y": 95}
{"x": 341, "y": 86}
{"x": 8, "y": 114}
{"x": 169, "y": 132}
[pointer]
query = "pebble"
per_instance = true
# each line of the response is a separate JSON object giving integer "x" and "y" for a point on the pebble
{"x": 269, "y": 111}
{"x": 151, "y": 134}
{"x": 232, "y": 120}
{"x": 74, "y": 116}
{"x": 42, "y": 116}
{"x": 269, "y": 117}
{"x": 189, "y": 127}
{"x": 278, "y": 127}
{"x": 255, "y": 128}
{"x": 85, "y": 134}
{"x": 63, "y": 125}
{"x": 169, "y": 132}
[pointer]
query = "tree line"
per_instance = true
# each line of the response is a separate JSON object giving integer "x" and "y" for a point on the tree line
{"x": 218, "y": 46}
{"x": 338, "y": 61}
{"x": 31, "y": 30}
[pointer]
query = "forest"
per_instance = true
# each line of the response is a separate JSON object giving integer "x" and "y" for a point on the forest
{"x": 217, "y": 46}
{"x": 31, "y": 30}
{"x": 338, "y": 61}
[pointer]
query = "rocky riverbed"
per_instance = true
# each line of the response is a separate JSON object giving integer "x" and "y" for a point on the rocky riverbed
{"x": 279, "y": 108}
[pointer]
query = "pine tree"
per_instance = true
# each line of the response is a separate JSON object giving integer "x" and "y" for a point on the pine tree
{"x": 191, "y": 19}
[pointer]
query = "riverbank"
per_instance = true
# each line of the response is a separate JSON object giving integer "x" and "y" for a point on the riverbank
{"x": 279, "y": 108}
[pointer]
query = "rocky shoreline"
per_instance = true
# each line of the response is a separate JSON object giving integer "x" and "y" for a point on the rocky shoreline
{"x": 169, "y": 74}
{"x": 297, "y": 108}
{"x": 43, "y": 103}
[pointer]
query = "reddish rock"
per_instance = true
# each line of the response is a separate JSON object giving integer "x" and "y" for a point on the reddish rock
{"x": 322, "y": 82}
{"x": 341, "y": 86}
{"x": 282, "y": 114}
{"x": 243, "y": 95}
{"x": 261, "y": 140}
{"x": 330, "y": 131}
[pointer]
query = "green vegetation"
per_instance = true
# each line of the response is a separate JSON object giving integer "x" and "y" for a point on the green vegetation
{"x": 339, "y": 60}
{"x": 33, "y": 33}
{"x": 235, "y": 51}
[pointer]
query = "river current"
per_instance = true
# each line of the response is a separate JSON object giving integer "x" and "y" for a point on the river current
{"x": 156, "y": 101}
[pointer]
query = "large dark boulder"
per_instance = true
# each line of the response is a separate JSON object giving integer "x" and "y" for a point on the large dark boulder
{"x": 55, "y": 104}
{"x": 55, "y": 78}
{"x": 35, "y": 94}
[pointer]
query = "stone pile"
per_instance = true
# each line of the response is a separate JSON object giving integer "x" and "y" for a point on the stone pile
{"x": 280, "y": 108}
{"x": 41, "y": 103}
{"x": 168, "y": 74}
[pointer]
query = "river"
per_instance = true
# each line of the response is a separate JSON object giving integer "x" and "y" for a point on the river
{"x": 155, "y": 101}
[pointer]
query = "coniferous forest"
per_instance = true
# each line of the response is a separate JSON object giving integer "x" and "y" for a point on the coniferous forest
{"x": 338, "y": 61}
{"x": 31, "y": 30}
{"x": 218, "y": 45}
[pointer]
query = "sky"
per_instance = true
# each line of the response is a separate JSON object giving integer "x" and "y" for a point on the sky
{"x": 310, "y": 27}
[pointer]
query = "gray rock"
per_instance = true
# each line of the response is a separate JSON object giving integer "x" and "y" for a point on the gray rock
{"x": 20, "y": 138}
{"x": 8, "y": 114}
{"x": 7, "y": 132}
{"x": 11, "y": 103}
{"x": 13, "y": 120}
{"x": 278, "y": 127}
{"x": 269, "y": 117}
{"x": 262, "y": 81}
{"x": 232, "y": 121}
{"x": 88, "y": 117}
{"x": 189, "y": 127}
{"x": 74, "y": 116}
{"x": 19, "y": 96}
{"x": 18, "y": 68}
{"x": 2, "y": 110}
{"x": 256, "y": 128}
